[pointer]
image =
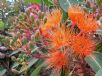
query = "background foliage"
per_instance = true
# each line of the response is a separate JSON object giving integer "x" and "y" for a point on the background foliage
{"x": 13, "y": 61}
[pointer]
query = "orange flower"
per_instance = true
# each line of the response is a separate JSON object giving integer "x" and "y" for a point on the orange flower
{"x": 83, "y": 46}
{"x": 79, "y": 17}
{"x": 60, "y": 37}
{"x": 53, "y": 20}
{"x": 75, "y": 13}
{"x": 88, "y": 24}
{"x": 57, "y": 60}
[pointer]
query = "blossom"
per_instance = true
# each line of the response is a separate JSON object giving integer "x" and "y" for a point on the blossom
{"x": 57, "y": 60}
{"x": 82, "y": 19}
{"x": 82, "y": 45}
{"x": 88, "y": 24}
{"x": 75, "y": 13}
{"x": 61, "y": 37}
{"x": 53, "y": 20}
{"x": 54, "y": 17}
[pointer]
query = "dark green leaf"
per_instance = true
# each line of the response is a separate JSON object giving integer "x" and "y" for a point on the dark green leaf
{"x": 65, "y": 16}
{"x": 36, "y": 71}
{"x": 2, "y": 71}
{"x": 64, "y": 73}
{"x": 42, "y": 5}
{"x": 99, "y": 47}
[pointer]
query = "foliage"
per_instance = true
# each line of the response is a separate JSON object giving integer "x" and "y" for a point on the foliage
{"x": 50, "y": 38}
{"x": 1, "y": 25}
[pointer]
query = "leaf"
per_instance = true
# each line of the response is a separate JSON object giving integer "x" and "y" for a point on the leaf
{"x": 1, "y": 25}
{"x": 99, "y": 73}
{"x": 64, "y": 73}
{"x": 42, "y": 5}
{"x": 24, "y": 41}
{"x": 47, "y": 2}
{"x": 99, "y": 2}
{"x": 15, "y": 65}
{"x": 15, "y": 52}
{"x": 66, "y": 3}
{"x": 65, "y": 16}
{"x": 2, "y": 71}
{"x": 33, "y": 61}
{"x": 99, "y": 47}
{"x": 36, "y": 71}
{"x": 35, "y": 49}
{"x": 32, "y": 1}
{"x": 95, "y": 61}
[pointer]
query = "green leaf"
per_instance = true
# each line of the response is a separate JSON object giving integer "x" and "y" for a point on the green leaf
{"x": 35, "y": 49}
{"x": 15, "y": 65}
{"x": 1, "y": 25}
{"x": 24, "y": 41}
{"x": 33, "y": 61}
{"x": 95, "y": 61}
{"x": 47, "y": 2}
{"x": 65, "y": 16}
{"x": 66, "y": 3}
{"x": 36, "y": 71}
{"x": 99, "y": 73}
{"x": 99, "y": 47}
{"x": 42, "y": 5}
{"x": 2, "y": 71}
{"x": 15, "y": 52}
{"x": 64, "y": 73}
{"x": 32, "y": 1}
{"x": 99, "y": 2}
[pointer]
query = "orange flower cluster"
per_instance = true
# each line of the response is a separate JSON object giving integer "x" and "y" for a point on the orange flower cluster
{"x": 88, "y": 24}
{"x": 61, "y": 39}
{"x": 53, "y": 20}
{"x": 82, "y": 46}
{"x": 84, "y": 23}
{"x": 75, "y": 13}
{"x": 57, "y": 60}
